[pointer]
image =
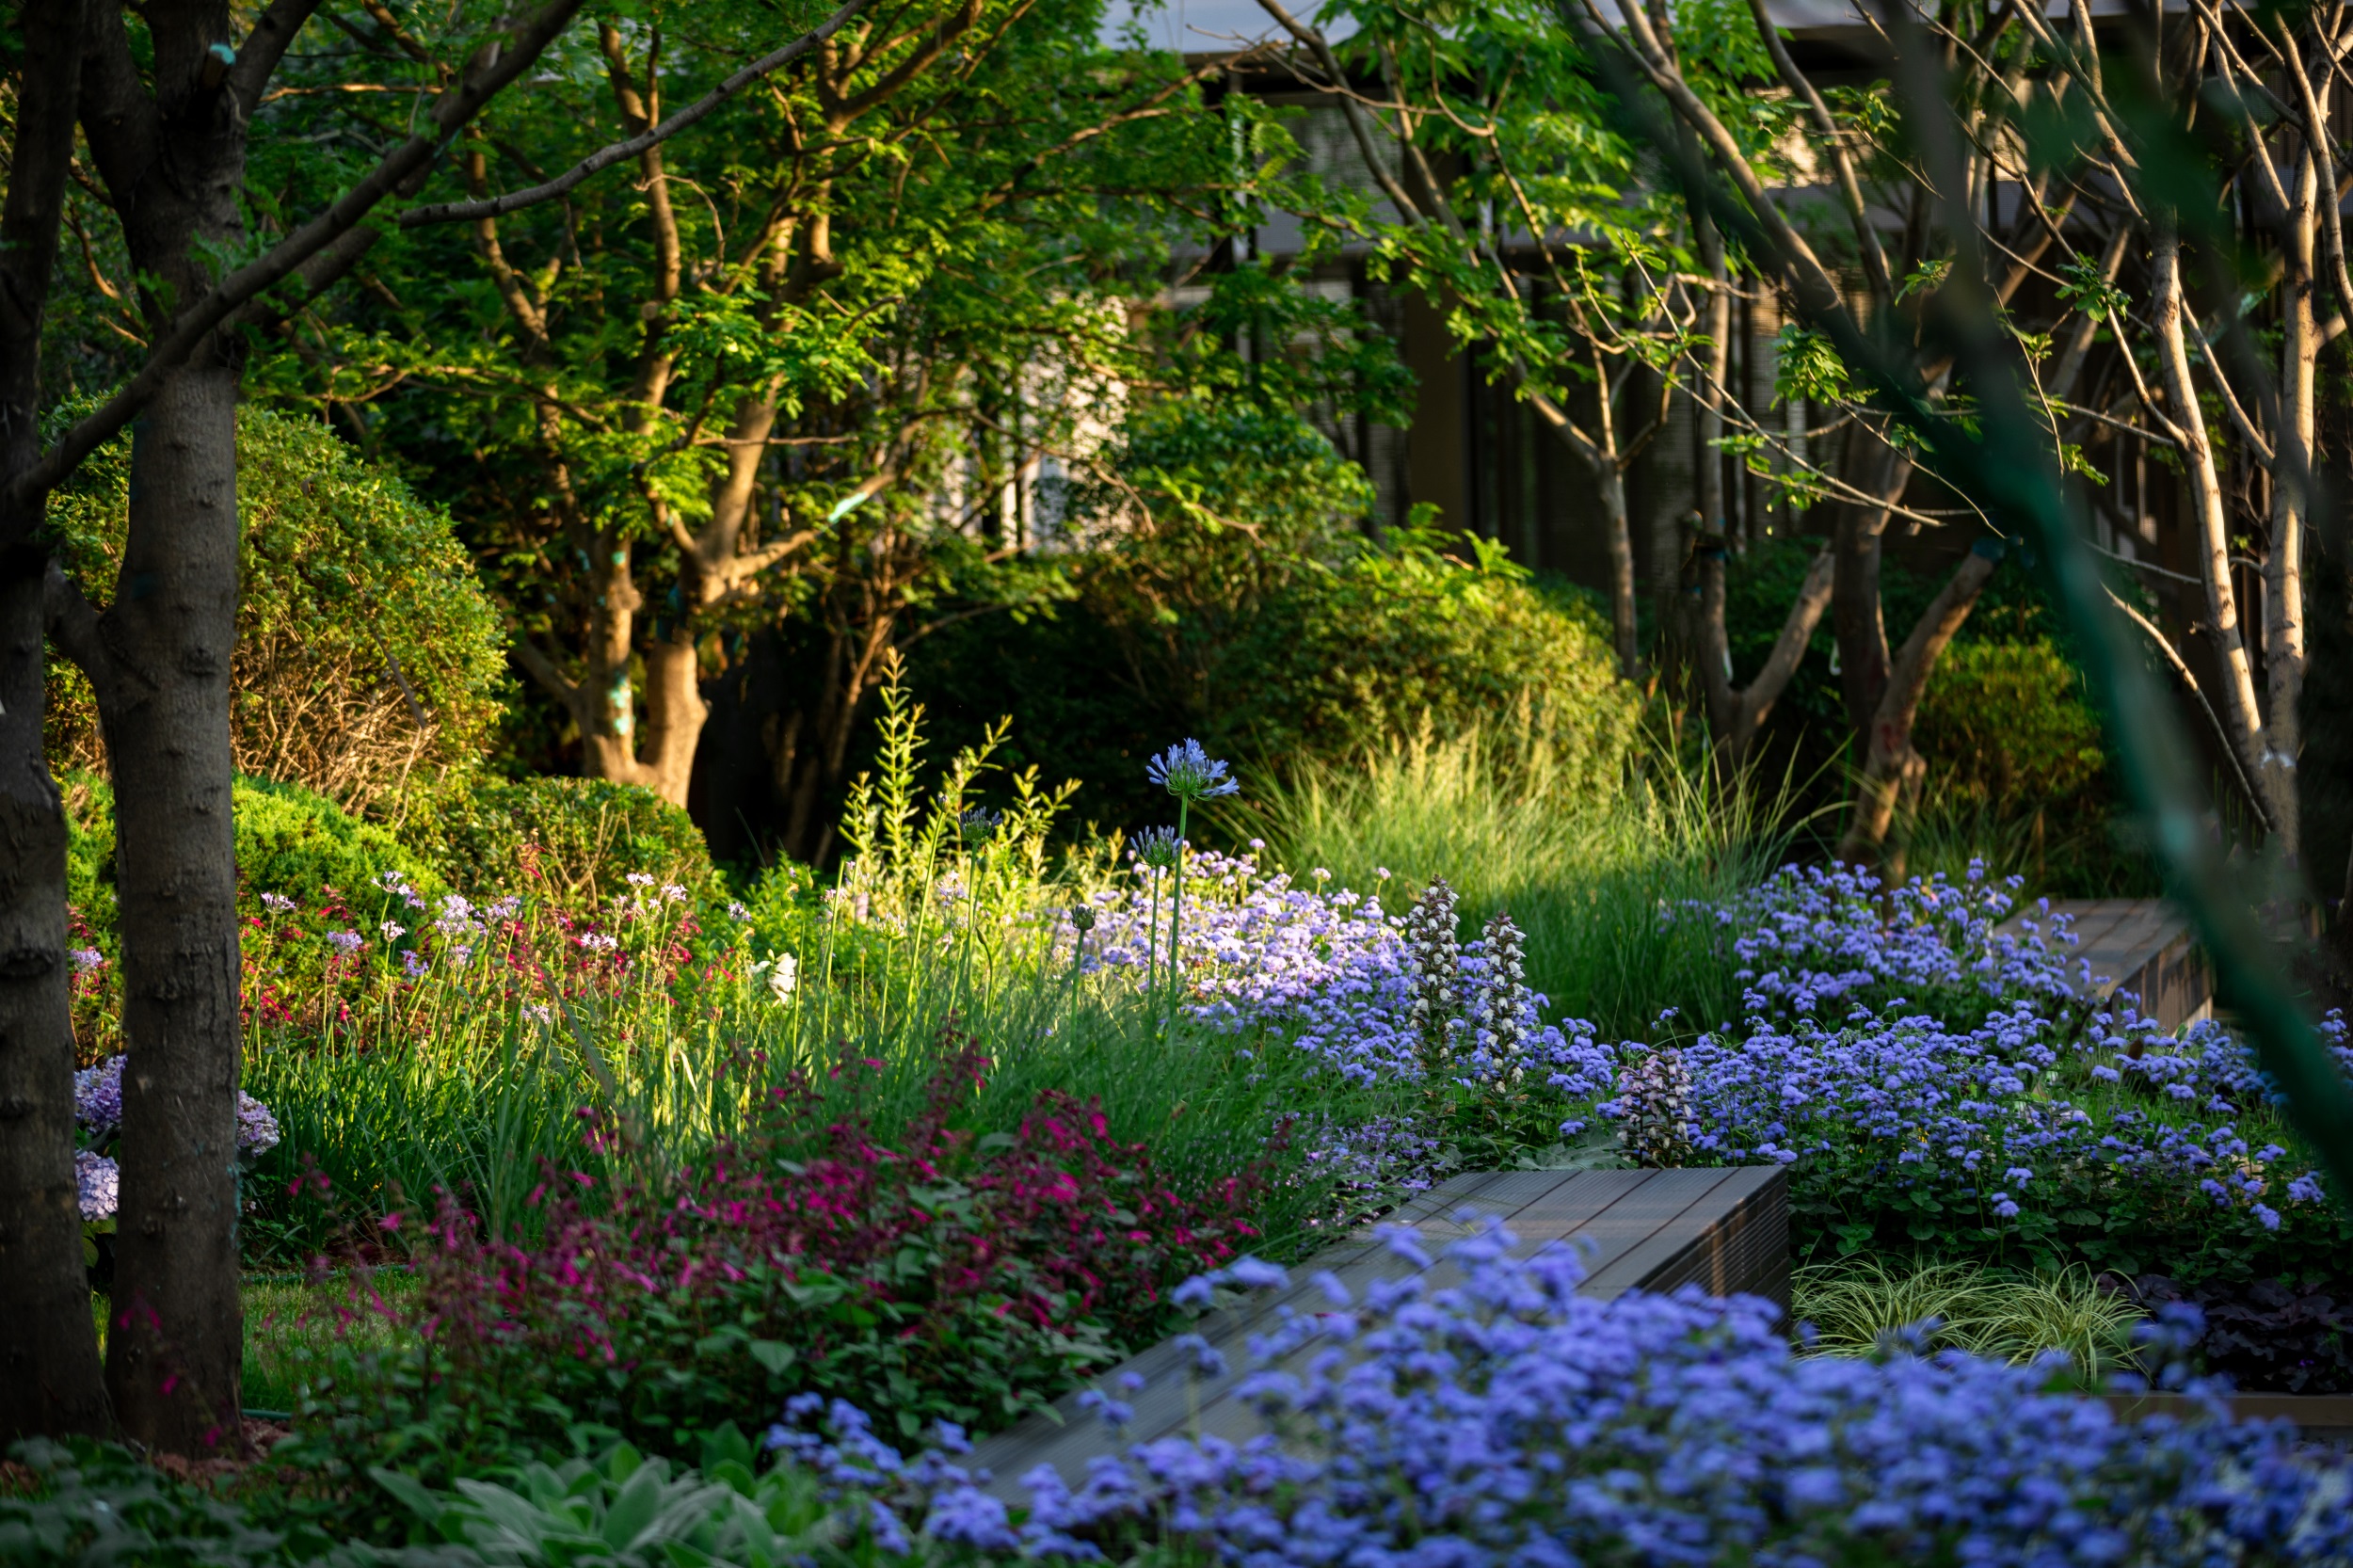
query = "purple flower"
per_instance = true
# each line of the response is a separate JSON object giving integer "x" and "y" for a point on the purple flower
{"x": 257, "y": 1129}
{"x": 1253, "y": 1274}
{"x": 96, "y": 1180}
{"x": 1190, "y": 772}
{"x": 98, "y": 1096}
{"x": 1504, "y": 1418}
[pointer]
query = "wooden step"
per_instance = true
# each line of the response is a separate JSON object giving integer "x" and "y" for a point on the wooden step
{"x": 1726, "y": 1231}
{"x": 2140, "y": 945}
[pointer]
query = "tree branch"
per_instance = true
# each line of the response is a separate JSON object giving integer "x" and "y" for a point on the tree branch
{"x": 494, "y": 69}
{"x": 620, "y": 151}
{"x": 274, "y": 30}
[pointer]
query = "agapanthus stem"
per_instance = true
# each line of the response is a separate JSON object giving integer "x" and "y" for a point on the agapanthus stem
{"x": 1177, "y": 902}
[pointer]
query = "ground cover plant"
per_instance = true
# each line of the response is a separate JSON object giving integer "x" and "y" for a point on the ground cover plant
{"x": 946, "y": 1137}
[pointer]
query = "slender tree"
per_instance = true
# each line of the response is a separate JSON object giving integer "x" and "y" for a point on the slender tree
{"x": 166, "y": 117}
{"x": 49, "y": 1371}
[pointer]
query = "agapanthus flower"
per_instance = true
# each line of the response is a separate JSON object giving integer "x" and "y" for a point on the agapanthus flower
{"x": 278, "y": 904}
{"x": 1158, "y": 847}
{"x": 1190, "y": 772}
{"x": 345, "y": 942}
{"x": 86, "y": 959}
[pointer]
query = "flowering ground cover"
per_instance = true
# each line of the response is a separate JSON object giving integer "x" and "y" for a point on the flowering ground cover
{"x": 1499, "y": 1419}
{"x": 943, "y": 1138}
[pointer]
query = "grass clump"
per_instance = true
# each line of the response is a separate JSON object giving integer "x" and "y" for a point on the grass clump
{"x": 1589, "y": 864}
{"x": 1857, "y": 1305}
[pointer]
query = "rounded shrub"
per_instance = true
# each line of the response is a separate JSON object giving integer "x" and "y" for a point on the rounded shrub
{"x": 291, "y": 841}
{"x": 575, "y": 839}
{"x": 367, "y": 649}
{"x": 2007, "y": 722}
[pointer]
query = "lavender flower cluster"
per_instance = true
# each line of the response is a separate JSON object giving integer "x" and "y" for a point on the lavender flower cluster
{"x": 1809, "y": 935}
{"x": 1979, "y": 1114}
{"x": 98, "y": 1116}
{"x": 1347, "y": 981}
{"x": 1506, "y": 1420}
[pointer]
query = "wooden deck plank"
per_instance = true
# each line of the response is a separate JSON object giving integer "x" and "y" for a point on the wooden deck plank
{"x": 2143, "y": 946}
{"x": 1726, "y": 1229}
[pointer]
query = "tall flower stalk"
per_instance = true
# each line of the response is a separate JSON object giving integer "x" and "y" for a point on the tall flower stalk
{"x": 1191, "y": 774}
{"x": 1157, "y": 849}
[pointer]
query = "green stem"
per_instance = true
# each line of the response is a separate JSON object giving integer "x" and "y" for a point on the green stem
{"x": 1176, "y": 901}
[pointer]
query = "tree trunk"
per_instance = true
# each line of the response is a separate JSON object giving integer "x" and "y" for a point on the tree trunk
{"x": 2237, "y": 706}
{"x": 49, "y": 1374}
{"x": 50, "y": 1380}
{"x": 2291, "y": 504}
{"x": 175, "y": 1350}
{"x": 1610, "y": 481}
{"x": 1892, "y": 770}
{"x": 1855, "y": 613}
{"x": 1737, "y": 715}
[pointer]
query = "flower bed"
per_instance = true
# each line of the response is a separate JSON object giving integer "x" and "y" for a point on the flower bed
{"x": 943, "y": 1276}
{"x": 1937, "y": 1089}
{"x": 1508, "y": 1420}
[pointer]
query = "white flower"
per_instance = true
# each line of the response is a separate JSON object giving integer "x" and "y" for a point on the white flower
{"x": 737, "y": 912}
{"x": 673, "y": 892}
{"x": 392, "y": 931}
{"x": 640, "y": 879}
{"x": 783, "y": 972}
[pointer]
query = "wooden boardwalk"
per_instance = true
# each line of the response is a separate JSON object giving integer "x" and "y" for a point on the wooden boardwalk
{"x": 2142, "y": 945}
{"x": 1725, "y": 1230}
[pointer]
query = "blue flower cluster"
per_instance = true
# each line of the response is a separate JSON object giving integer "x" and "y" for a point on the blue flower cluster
{"x": 1980, "y": 1102}
{"x": 1331, "y": 968}
{"x": 98, "y": 1118}
{"x": 1809, "y": 935}
{"x": 1506, "y": 1420}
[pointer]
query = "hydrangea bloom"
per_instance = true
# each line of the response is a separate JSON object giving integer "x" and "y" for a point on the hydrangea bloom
{"x": 97, "y": 1179}
{"x": 98, "y": 1107}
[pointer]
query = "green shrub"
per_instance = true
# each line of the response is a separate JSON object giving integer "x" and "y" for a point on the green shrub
{"x": 1425, "y": 628}
{"x": 367, "y": 650}
{"x": 1343, "y": 645}
{"x": 2005, "y": 723}
{"x": 578, "y": 839}
{"x": 290, "y": 842}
